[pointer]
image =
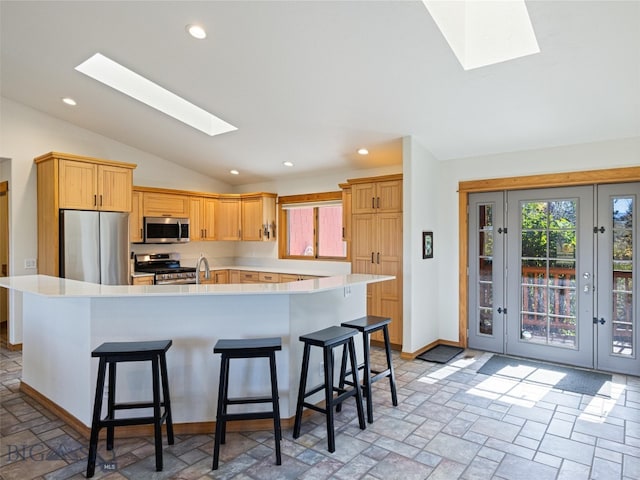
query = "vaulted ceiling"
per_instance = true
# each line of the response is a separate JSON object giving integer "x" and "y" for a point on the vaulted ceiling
{"x": 311, "y": 82}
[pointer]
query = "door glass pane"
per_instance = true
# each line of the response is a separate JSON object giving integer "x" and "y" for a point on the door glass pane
{"x": 485, "y": 269}
{"x": 622, "y": 315}
{"x": 548, "y": 272}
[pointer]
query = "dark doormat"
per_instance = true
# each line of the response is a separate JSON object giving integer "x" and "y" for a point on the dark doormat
{"x": 587, "y": 382}
{"x": 440, "y": 354}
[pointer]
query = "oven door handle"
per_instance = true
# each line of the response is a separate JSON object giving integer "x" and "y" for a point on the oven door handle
{"x": 179, "y": 281}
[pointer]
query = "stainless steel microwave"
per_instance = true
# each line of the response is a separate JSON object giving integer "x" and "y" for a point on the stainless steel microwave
{"x": 166, "y": 230}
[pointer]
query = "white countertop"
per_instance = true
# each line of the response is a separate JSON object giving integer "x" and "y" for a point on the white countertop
{"x": 60, "y": 287}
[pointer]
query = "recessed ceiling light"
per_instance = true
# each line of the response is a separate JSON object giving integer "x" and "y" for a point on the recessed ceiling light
{"x": 120, "y": 78}
{"x": 196, "y": 31}
{"x": 69, "y": 101}
{"x": 485, "y": 33}
{"x": 234, "y": 172}
{"x": 287, "y": 164}
{"x": 363, "y": 151}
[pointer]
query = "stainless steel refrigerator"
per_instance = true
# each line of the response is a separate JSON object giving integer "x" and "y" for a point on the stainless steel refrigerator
{"x": 94, "y": 246}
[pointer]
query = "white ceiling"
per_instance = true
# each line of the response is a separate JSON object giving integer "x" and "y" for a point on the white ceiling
{"x": 311, "y": 82}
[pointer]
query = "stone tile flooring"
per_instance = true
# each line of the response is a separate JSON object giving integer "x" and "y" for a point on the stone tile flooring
{"x": 451, "y": 422}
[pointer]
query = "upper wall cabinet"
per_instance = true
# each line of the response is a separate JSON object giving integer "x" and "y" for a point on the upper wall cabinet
{"x": 202, "y": 215}
{"x": 75, "y": 182}
{"x": 227, "y": 221}
{"x": 86, "y": 185}
{"x": 259, "y": 217}
{"x": 375, "y": 197}
{"x": 165, "y": 205}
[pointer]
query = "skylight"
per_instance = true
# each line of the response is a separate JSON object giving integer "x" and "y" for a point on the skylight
{"x": 484, "y": 32}
{"x": 120, "y": 78}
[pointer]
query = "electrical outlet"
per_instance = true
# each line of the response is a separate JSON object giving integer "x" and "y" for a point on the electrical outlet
{"x": 347, "y": 292}
{"x": 30, "y": 263}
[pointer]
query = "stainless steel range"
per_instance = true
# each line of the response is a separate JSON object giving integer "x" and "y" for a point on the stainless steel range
{"x": 165, "y": 267}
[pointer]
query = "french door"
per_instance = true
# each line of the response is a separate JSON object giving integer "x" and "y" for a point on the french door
{"x": 552, "y": 274}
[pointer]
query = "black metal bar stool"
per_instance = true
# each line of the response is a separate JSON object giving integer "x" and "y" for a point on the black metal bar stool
{"x": 368, "y": 325}
{"x": 246, "y": 348}
{"x": 112, "y": 353}
{"x": 328, "y": 338}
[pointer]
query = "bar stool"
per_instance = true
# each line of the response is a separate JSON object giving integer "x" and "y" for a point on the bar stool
{"x": 246, "y": 348}
{"x": 328, "y": 338}
{"x": 112, "y": 353}
{"x": 368, "y": 325}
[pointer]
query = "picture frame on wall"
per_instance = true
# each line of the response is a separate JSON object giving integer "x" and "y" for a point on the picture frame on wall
{"x": 427, "y": 244}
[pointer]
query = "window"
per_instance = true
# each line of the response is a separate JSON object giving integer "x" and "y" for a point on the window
{"x": 311, "y": 227}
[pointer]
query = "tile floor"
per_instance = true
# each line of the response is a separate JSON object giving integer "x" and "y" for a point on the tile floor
{"x": 451, "y": 422}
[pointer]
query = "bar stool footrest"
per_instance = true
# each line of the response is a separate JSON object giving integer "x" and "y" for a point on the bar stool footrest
{"x": 122, "y": 422}
{"x": 133, "y": 405}
{"x": 243, "y": 400}
{"x": 247, "y": 416}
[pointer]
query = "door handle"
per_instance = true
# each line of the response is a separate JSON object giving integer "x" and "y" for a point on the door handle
{"x": 378, "y": 258}
{"x": 372, "y": 261}
{"x": 601, "y": 321}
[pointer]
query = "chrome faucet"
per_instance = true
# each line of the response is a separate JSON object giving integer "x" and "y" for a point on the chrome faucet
{"x": 207, "y": 272}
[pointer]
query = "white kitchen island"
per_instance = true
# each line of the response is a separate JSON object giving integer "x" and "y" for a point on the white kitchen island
{"x": 64, "y": 320}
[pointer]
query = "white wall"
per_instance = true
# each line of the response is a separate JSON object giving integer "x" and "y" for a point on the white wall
{"x": 589, "y": 156}
{"x": 421, "y": 208}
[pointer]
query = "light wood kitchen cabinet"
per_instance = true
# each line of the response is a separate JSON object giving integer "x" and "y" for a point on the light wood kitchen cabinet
{"x": 136, "y": 225}
{"x": 376, "y": 248}
{"x": 346, "y": 217}
{"x": 202, "y": 214}
{"x": 92, "y": 186}
{"x": 377, "y": 196}
{"x": 258, "y": 217}
{"x": 234, "y": 276}
{"x": 289, "y": 277}
{"x": 166, "y": 205}
{"x": 215, "y": 277}
{"x": 249, "y": 277}
{"x": 346, "y": 212}
{"x": 294, "y": 277}
{"x": 82, "y": 183}
{"x": 220, "y": 276}
{"x": 268, "y": 277}
{"x": 227, "y": 221}
{"x": 146, "y": 280}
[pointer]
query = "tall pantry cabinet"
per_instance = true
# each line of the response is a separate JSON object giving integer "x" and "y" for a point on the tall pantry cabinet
{"x": 376, "y": 245}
